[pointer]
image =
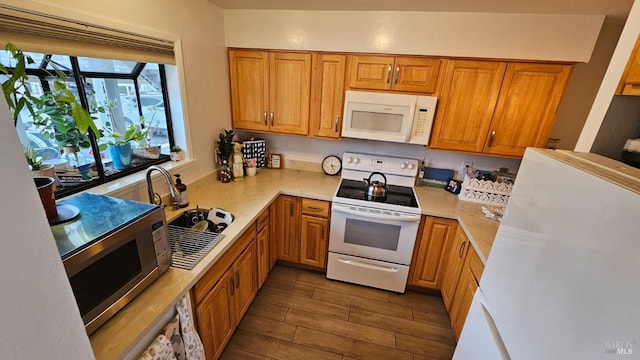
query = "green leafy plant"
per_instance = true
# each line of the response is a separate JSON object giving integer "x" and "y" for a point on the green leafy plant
{"x": 133, "y": 132}
{"x": 225, "y": 144}
{"x": 33, "y": 159}
{"x": 66, "y": 118}
{"x": 176, "y": 148}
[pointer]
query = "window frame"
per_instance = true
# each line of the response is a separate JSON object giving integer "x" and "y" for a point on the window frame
{"x": 75, "y": 73}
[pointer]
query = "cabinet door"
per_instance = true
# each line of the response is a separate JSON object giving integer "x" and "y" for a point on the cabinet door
{"x": 287, "y": 228}
{"x": 431, "y": 251}
{"x": 249, "y": 72}
{"x": 466, "y": 104}
{"x": 215, "y": 317}
{"x": 526, "y": 108}
{"x": 455, "y": 261}
{"x": 466, "y": 288}
{"x": 328, "y": 95}
{"x": 370, "y": 72}
{"x": 289, "y": 92}
{"x": 245, "y": 282}
{"x": 416, "y": 74}
{"x": 313, "y": 244}
{"x": 630, "y": 81}
{"x": 263, "y": 255}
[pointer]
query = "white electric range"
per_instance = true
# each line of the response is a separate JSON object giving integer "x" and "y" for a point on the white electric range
{"x": 372, "y": 238}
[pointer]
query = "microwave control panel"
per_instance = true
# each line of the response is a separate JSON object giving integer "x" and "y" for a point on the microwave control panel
{"x": 422, "y": 120}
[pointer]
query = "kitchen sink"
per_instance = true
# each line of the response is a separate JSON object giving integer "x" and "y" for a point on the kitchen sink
{"x": 195, "y": 233}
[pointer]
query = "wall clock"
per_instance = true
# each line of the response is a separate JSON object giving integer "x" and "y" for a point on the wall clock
{"x": 331, "y": 165}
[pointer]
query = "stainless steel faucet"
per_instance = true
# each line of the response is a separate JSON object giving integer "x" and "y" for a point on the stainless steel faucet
{"x": 155, "y": 198}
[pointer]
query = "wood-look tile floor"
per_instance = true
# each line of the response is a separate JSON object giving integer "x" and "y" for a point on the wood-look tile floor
{"x": 300, "y": 314}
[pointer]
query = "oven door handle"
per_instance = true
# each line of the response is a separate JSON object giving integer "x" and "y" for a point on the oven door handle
{"x": 348, "y": 210}
{"x": 367, "y": 265}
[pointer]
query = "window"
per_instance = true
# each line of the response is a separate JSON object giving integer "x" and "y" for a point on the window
{"x": 118, "y": 94}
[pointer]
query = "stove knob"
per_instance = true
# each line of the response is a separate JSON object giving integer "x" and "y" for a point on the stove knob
{"x": 403, "y": 166}
{"x": 357, "y": 160}
{"x": 412, "y": 166}
{"x": 349, "y": 160}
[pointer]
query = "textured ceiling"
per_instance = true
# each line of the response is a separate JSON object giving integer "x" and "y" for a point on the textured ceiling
{"x": 617, "y": 8}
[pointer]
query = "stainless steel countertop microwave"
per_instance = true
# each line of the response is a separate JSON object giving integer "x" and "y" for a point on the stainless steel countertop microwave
{"x": 111, "y": 252}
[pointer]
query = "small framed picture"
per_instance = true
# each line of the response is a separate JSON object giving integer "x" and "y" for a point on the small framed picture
{"x": 275, "y": 161}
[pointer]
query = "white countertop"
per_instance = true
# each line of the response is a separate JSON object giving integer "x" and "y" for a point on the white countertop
{"x": 245, "y": 200}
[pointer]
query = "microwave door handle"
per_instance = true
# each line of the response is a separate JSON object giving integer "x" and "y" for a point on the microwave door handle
{"x": 403, "y": 218}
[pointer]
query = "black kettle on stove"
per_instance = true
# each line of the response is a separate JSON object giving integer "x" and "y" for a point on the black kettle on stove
{"x": 376, "y": 189}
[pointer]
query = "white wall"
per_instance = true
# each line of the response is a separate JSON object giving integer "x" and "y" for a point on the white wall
{"x": 314, "y": 150}
{"x": 481, "y": 35}
{"x": 611, "y": 80}
{"x": 38, "y": 315}
{"x": 202, "y": 70}
{"x": 39, "y": 318}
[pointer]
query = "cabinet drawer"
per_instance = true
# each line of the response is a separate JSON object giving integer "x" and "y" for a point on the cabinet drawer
{"x": 315, "y": 207}
{"x": 263, "y": 219}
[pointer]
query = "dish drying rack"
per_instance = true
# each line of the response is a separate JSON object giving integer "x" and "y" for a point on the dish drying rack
{"x": 188, "y": 246}
{"x": 485, "y": 191}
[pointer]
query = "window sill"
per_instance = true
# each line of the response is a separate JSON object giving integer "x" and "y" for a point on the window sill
{"x": 125, "y": 186}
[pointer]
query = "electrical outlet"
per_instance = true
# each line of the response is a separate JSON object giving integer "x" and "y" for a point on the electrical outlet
{"x": 467, "y": 164}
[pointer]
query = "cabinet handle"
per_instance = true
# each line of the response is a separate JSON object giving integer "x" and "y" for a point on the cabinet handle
{"x": 290, "y": 210}
{"x": 233, "y": 287}
{"x": 314, "y": 208}
{"x": 261, "y": 247}
{"x": 322, "y": 233}
{"x": 272, "y": 118}
{"x": 337, "y": 119}
{"x": 397, "y": 74}
{"x": 389, "y": 74}
{"x": 264, "y": 115}
{"x": 237, "y": 280}
{"x": 493, "y": 136}
{"x": 461, "y": 251}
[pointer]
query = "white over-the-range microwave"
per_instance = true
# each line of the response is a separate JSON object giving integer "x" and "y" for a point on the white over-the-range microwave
{"x": 388, "y": 117}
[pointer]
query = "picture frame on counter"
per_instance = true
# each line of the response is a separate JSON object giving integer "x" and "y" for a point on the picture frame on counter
{"x": 275, "y": 161}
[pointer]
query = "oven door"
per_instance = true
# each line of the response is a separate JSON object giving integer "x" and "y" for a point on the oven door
{"x": 373, "y": 233}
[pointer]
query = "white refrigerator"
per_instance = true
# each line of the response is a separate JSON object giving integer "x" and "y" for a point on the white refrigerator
{"x": 562, "y": 280}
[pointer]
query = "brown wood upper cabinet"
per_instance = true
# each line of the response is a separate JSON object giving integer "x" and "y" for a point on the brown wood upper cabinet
{"x": 399, "y": 73}
{"x": 630, "y": 81}
{"x": 497, "y": 108}
{"x": 430, "y": 253}
{"x": 270, "y": 90}
{"x": 327, "y": 95}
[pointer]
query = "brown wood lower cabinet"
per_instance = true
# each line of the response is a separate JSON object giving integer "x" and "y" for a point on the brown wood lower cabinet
{"x": 300, "y": 231}
{"x": 465, "y": 289}
{"x": 455, "y": 261}
{"x": 431, "y": 251}
{"x": 263, "y": 244}
{"x": 224, "y": 293}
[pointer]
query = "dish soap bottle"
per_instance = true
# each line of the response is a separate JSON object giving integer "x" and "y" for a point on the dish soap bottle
{"x": 184, "y": 198}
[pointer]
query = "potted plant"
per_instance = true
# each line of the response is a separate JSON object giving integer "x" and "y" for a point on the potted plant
{"x": 145, "y": 129}
{"x": 35, "y": 162}
{"x": 57, "y": 112}
{"x": 224, "y": 152}
{"x": 119, "y": 144}
{"x": 176, "y": 153}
